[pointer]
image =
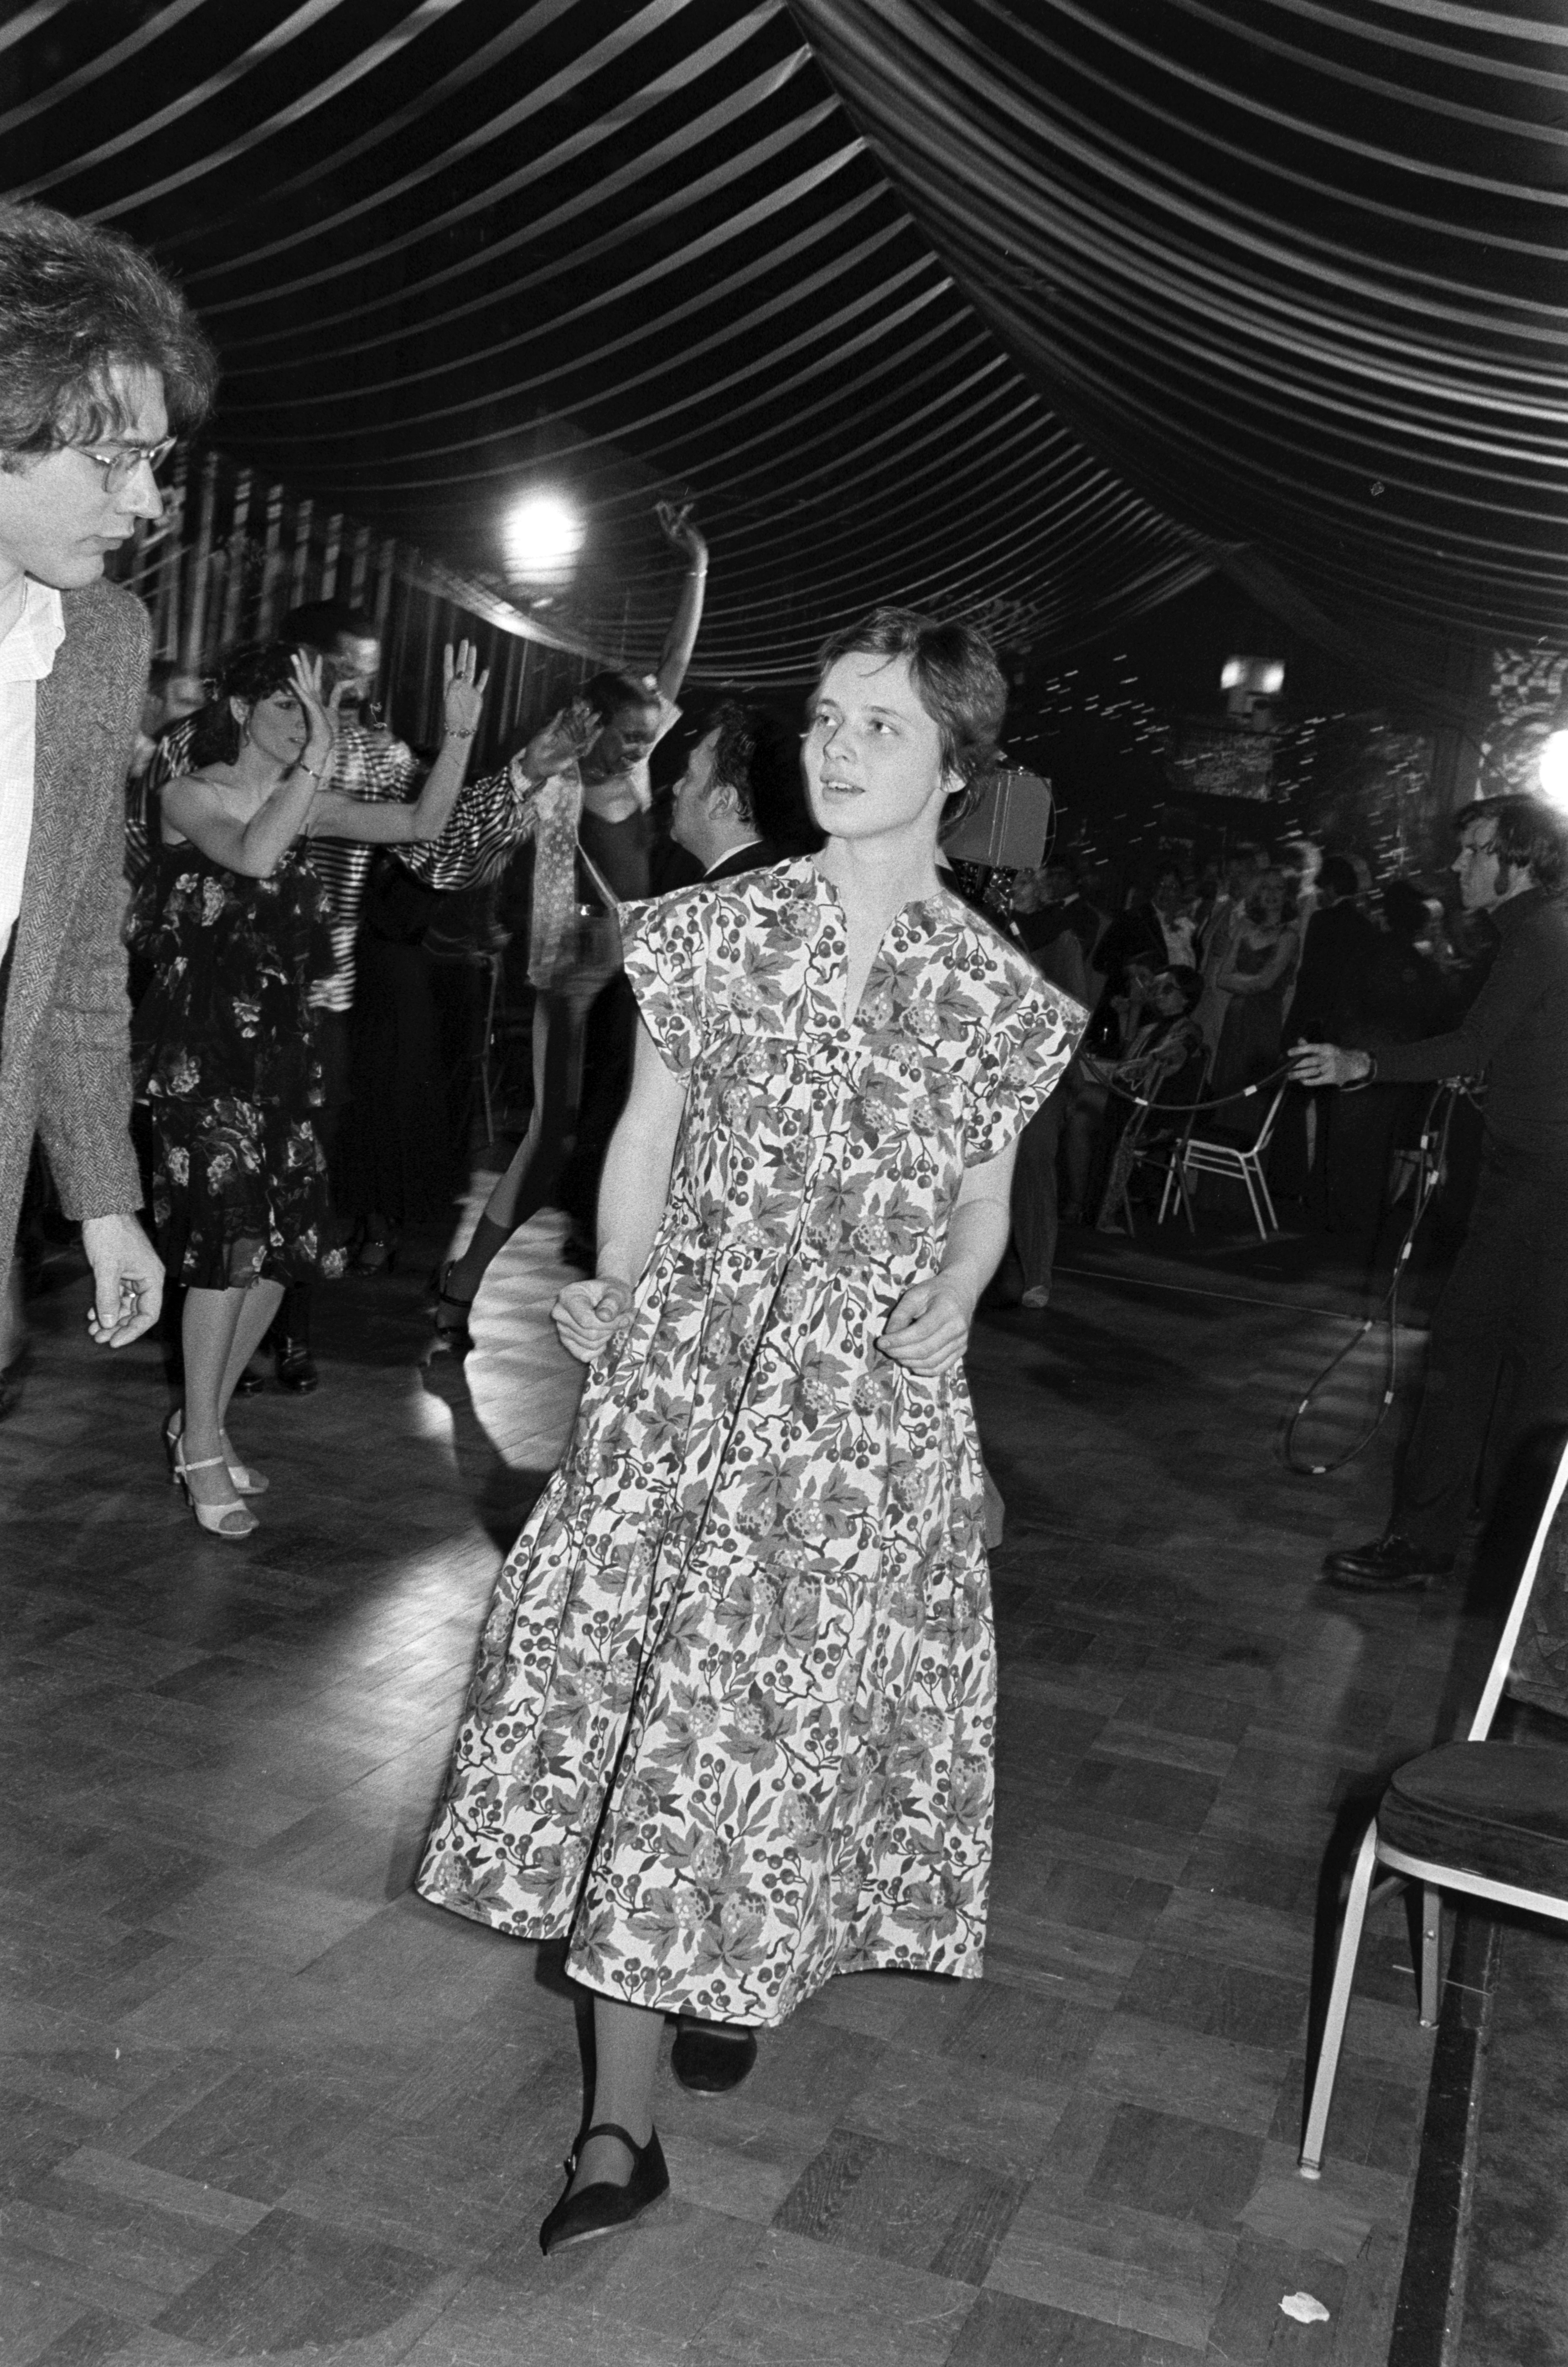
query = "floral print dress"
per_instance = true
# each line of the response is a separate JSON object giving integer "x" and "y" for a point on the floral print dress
{"x": 225, "y": 1060}
{"x": 731, "y": 1721}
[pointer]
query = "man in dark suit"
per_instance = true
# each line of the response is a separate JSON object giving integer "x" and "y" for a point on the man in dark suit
{"x": 99, "y": 356}
{"x": 738, "y": 803}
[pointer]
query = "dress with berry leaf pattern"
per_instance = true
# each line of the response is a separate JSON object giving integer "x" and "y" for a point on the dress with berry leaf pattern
{"x": 731, "y": 1726}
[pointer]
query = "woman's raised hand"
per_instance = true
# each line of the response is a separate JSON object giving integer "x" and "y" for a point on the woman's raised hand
{"x": 320, "y": 718}
{"x": 678, "y": 529}
{"x": 588, "y": 1315}
{"x": 462, "y": 696}
{"x": 569, "y": 734}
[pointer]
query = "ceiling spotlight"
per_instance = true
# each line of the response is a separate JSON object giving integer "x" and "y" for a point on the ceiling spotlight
{"x": 1553, "y": 767}
{"x": 543, "y": 536}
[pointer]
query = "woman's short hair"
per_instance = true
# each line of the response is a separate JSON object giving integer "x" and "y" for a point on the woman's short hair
{"x": 959, "y": 681}
{"x": 608, "y": 693}
{"x": 77, "y": 301}
{"x": 252, "y": 673}
{"x": 1529, "y": 831}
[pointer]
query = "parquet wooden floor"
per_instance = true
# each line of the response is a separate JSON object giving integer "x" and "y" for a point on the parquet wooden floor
{"x": 261, "y": 2102}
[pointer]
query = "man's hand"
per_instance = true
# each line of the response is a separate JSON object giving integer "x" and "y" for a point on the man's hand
{"x": 588, "y": 1315}
{"x": 928, "y": 1329}
{"x": 1326, "y": 1064}
{"x": 128, "y": 1280}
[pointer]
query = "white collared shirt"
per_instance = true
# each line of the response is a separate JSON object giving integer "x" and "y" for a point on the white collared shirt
{"x": 27, "y": 655}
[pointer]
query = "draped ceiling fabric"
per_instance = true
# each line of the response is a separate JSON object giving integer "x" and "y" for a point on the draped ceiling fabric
{"x": 451, "y": 250}
{"x": 1293, "y": 269}
{"x": 1029, "y": 311}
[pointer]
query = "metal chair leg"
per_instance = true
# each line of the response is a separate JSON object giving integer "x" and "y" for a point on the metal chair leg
{"x": 1431, "y": 1943}
{"x": 1311, "y": 2156}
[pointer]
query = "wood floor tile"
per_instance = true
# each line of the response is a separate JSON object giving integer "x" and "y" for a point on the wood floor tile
{"x": 1002, "y": 2330}
{"x": 791, "y": 2305}
{"x": 290, "y": 2282}
{"x": 930, "y": 2212}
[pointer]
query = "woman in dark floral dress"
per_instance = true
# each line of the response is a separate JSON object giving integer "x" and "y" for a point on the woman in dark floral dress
{"x": 225, "y": 1053}
{"x": 731, "y": 1728}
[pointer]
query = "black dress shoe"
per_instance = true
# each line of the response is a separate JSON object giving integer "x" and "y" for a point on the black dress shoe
{"x": 1389, "y": 1565}
{"x": 297, "y": 1367}
{"x": 250, "y": 1383}
{"x": 710, "y": 2059}
{"x": 600, "y": 2209}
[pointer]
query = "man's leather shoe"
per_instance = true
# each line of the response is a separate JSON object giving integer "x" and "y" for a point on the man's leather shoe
{"x": 250, "y": 1383}
{"x": 1389, "y": 1565}
{"x": 297, "y": 1367}
{"x": 710, "y": 2059}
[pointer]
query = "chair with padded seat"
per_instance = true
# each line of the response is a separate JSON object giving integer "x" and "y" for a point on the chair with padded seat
{"x": 1485, "y": 1819}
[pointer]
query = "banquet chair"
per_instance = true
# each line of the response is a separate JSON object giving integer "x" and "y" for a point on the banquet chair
{"x": 1236, "y": 1163}
{"x": 1485, "y": 1819}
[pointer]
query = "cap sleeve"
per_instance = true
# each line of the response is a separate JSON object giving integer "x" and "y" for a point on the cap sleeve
{"x": 1022, "y": 1058}
{"x": 664, "y": 943}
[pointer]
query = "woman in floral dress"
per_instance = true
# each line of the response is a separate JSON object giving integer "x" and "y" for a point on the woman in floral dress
{"x": 730, "y": 1727}
{"x": 225, "y": 1056}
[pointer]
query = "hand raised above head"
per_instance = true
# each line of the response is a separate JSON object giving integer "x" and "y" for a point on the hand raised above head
{"x": 676, "y": 520}
{"x": 462, "y": 694}
{"x": 558, "y": 743}
{"x": 320, "y": 718}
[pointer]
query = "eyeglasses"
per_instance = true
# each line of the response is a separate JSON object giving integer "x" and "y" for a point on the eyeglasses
{"x": 120, "y": 465}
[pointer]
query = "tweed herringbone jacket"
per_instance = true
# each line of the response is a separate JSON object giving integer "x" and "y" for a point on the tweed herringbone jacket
{"x": 65, "y": 1054}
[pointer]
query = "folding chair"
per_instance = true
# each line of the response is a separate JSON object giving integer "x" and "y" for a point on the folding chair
{"x": 1202, "y": 1156}
{"x": 1487, "y": 1819}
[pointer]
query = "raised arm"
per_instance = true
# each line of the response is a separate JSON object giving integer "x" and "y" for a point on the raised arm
{"x": 255, "y": 848}
{"x": 334, "y": 816}
{"x": 681, "y": 639}
{"x": 632, "y": 1196}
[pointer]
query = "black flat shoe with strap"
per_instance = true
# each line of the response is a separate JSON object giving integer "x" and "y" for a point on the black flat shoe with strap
{"x": 600, "y": 2209}
{"x": 709, "y": 2059}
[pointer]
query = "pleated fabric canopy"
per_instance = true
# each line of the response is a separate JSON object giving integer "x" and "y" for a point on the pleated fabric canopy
{"x": 1028, "y": 311}
{"x": 1293, "y": 267}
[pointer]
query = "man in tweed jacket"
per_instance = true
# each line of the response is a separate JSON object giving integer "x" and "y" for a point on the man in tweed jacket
{"x": 97, "y": 354}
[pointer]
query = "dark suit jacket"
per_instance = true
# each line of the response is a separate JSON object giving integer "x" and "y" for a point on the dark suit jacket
{"x": 744, "y": 858}
{"x": 680, "y": 869}
{"x": 64, "y": 1056}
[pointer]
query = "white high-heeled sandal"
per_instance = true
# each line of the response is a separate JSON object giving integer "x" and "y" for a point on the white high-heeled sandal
{"x": 217, "y": 1520}
{"x": 246, "y": 1481}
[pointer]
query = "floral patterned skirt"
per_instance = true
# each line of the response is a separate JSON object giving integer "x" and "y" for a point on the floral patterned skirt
{"x": 732, "y": 1764}
{"x": 239, "y": 1191}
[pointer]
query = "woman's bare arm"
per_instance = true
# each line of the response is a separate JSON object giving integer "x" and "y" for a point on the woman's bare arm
{"x": 929, "y": 1327}
{"x": 633, "y": 1197}
{"x": 681, "y": 639}
{"x": 196, "y": 810}
{"x": 1258, "y": 981}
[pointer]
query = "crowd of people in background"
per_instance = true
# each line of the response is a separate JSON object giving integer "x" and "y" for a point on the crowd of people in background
{"x": 1196, "y": 978}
